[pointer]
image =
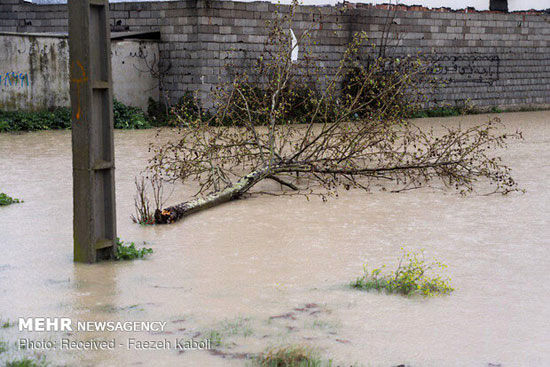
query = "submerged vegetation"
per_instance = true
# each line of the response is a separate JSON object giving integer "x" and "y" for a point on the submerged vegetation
{"x": 291, "y": 356}
{"x": 229, "y": 328}
{"x": 411, "y": 277}
{"x": 20, "y": 361}
{"x": 7, "y": 200}
{"x": 27, "y": 362}
{"x": 130, "y": 252}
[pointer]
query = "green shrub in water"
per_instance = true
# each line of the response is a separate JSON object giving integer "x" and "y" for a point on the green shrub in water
{"x": 410, "y": 277}
{"x": 58, "y": 118}
{"x": 27, "y": 362}
{"x": 290, "y": 356}
{"x": 128, "y": 117}
{"x": 7, "y": 200}
{"x": 130, "y": 252}
{"x": 124, "y": 116}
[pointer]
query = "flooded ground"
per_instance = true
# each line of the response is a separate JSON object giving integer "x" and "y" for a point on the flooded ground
{"x": 274, "y": 270}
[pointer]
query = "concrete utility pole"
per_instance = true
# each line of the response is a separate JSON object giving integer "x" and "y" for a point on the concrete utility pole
{"x": 94, "y": 220}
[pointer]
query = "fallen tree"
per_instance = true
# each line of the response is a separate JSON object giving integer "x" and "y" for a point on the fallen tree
{"x": 317, "y": 131}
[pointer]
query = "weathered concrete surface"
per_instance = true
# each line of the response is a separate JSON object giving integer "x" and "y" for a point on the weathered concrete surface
{"x": 133, "y": 82}
{"x": 34, "y": 71}
{"x": 91, "y": 89}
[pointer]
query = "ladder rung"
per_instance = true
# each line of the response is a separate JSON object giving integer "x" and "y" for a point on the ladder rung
{"x": 101, "y": 165}
{"x": 97, "y": 2}
{"x": 103, "y": 243}
{"x": 100, "y": 84}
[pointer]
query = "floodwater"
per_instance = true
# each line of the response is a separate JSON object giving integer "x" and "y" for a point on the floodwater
{"x": 269, "y": 271}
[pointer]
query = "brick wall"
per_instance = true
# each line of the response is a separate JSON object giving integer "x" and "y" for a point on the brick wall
{"x": 490, "y": 59}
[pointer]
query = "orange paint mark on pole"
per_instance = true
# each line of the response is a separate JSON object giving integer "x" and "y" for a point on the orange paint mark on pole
{"x": 82, "y": 79}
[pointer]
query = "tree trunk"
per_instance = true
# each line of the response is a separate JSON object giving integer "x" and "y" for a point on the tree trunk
{"x": 176, "y": 212}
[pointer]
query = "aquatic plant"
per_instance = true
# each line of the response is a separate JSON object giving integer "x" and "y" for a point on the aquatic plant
{"x": 7, "y": 200}
{"x": 239, "y": 326}
{"x": 27, "y": 362}
{"x": 130, "y": 252}
{"x": 290, "y": 356}
{"x": 215, "y": 337}
{"x": 410, "y": 277}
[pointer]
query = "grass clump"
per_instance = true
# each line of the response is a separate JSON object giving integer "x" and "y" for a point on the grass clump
{"x": 7, "y": 200}
{"x": 290, "y": 356}
{"x": 239, "y": 326}
{"x": 130, "y": 252}
{"x": 229, "y": 328}
{"x": 27, "y": 362}
{"x": 215, "y": 337}
{"x": 410, "y": 277}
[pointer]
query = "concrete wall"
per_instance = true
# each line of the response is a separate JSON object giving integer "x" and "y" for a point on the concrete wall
{"x": 34, "y": 71}
{"x": 132, "y": 62}
{"x": 490, "y": 59}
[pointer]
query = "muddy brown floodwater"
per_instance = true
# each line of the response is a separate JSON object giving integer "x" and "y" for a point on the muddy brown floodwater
{"x": 274, "y": 270}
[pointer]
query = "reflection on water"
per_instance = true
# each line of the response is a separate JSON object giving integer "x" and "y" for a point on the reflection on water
{"x": 282, "y": 264}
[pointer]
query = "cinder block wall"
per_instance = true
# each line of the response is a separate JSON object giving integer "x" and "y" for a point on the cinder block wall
{"x": 489, "y": 59}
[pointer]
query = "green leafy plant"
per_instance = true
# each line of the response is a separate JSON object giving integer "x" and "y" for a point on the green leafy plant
{"x": 130, "y": 252}
{"x": 410, "y": 277}
{"x": 7, "y": 200}
{"x": 124, "y": 116}
{"x": 58, "y": 118}
{"x": 128, "y": 117}
{"x": 27, "y": 362}
{"x": 438, "y": 112}
{"x": 290, "y": 356}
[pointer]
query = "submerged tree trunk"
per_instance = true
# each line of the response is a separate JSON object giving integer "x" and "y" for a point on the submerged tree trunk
{"x": 176, "y": 212}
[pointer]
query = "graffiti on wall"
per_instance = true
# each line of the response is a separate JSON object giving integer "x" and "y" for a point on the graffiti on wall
{"x": 452, "y": 68}
{"x": 473, "y": 68}
{"x": 13, "y": 79}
